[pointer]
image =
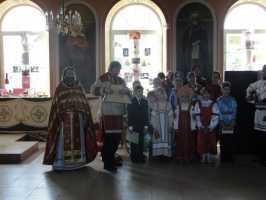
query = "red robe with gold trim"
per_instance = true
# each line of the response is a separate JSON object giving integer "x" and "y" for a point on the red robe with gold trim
{"x": 71, "y": 116}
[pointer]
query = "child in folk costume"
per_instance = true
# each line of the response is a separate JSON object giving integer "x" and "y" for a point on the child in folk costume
{"x": 168, "y": 84}
{"x": 161, "y": 121}
{"x": 193, "y": 87}
{"x": 178, "y": 83}
{"x": 207, "y": 119}
{"x": 151, "y": 94}
{"x": 138, "y": 121}
{"x": 182, "y": 123}
{"x": 228, "y": 107}
{"x": 215, "y": 92}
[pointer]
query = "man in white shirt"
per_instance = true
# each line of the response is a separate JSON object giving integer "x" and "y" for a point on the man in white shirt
{"x": 112, "y": 113}
{"x": 256, "y": 93}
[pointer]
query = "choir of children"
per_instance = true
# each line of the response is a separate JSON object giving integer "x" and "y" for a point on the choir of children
{"x": 183, "y": 120}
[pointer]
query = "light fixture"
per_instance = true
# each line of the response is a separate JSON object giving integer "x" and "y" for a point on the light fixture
{"x": 67, "y": 22}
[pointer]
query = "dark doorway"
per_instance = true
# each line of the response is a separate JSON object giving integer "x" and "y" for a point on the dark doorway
{"x": 240, "y": 81}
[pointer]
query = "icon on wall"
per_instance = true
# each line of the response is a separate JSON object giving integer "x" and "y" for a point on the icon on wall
{"x": 16, "y": 69}
{"x": 125, "y": 52}
{"x": 144, "y": 76}
{"x": 136, "y": 60}
{"x": 128, "y": 77}
{"x": 34, "y": 69}
{"x": 147, "y": 51}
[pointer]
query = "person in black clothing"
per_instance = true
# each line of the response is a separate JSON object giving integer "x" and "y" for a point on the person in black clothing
{"x": 138, "y": 122}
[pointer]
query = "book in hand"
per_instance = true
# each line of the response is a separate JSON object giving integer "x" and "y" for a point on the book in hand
{"x": 132, "y": 137}
{"x": 116, "y": 97}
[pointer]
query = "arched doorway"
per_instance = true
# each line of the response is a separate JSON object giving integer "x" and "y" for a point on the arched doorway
{"x": 79, "y": 47}
{"x": 24, "y": 49}
{"x": 195, "y": 36}
{"x": 136, "y": 37}
{"x": 244, "y": 37}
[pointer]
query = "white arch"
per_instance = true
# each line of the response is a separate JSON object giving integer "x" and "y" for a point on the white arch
{"x": 215, "y": 27}
{"x": 261, "y": 3}
{"x": 4, "y": 8}
{"x": 112, "y": 13}
{"x": 7, "y": 5}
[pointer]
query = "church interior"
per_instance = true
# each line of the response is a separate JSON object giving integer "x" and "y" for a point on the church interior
{"x": 39, "y": 39}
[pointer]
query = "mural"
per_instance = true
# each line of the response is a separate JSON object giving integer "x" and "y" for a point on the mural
{"x": 194, "y": 33}
{"x": 78, "y": 47}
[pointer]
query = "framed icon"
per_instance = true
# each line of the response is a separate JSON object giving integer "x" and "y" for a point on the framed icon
{"x": 144, "y": 76}
{"x": 128, "y": 77}
{"x": 15, "y": 69}
{"x": 34, "y": 69}
{"x": 136, "y": 60}
{"x": 147, "y": 51}
{"x": 125, "y": 52}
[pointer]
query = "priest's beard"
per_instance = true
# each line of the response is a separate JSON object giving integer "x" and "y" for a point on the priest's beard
{"x": 69, "y": 81}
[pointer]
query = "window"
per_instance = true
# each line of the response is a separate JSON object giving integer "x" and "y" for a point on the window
{"x": 25, "y": 51}
{"x": 144, "y": 19}
{"x": 137, "y": 42}
{"x": 245, "y": 33}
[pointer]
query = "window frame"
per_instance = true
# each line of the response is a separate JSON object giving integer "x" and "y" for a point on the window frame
{"x": 18, "y": 33}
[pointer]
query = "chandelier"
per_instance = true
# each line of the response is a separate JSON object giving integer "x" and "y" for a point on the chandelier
{"x": 66, "y": 22}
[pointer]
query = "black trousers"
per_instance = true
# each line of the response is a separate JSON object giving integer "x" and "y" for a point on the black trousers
{"x": 227, "y": 147}
{"x": 110, "y": 146}
{"x": 260, "y": 145}
{"x": 136, "y": 150}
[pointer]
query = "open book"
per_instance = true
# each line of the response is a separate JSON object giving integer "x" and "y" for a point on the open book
{"x": 116, "y": 97}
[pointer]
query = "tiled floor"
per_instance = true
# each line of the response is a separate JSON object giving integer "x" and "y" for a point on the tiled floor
{"x": 152, "y": 181}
